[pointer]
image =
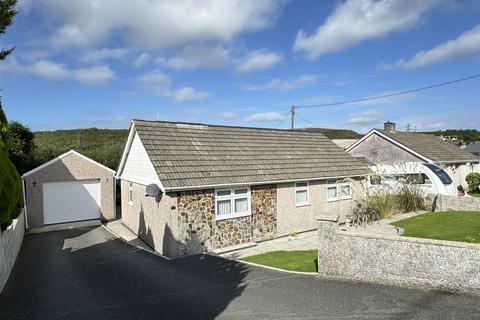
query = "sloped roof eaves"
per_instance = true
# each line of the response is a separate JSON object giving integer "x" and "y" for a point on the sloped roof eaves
{"x": 187, "y": 155}
{"x": 431, "y": 147}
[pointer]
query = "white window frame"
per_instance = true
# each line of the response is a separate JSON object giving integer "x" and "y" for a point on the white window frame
{"x": 302, "y": 188}
{"x": 338, "y": 186}
{"x": 130, "y": 193}
{"x": 232, "y": 196}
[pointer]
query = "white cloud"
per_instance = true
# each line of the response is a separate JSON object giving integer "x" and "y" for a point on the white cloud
{"x": 366, "y": 118}
{"x": 229, "y": 116}
{"x": 197, "y": 56}
{"x": 160, "y": 84}
{"x": 105, "y": 53}
{"x": 188, "y": 94}
{"x": 259, "y": 60}
{"x": 153, "y": 24}
{"x": 265, "y": 117}
{"x": 355, "y": 21}
{"x": 465, "y": 44}
{"x": 96, "y": 75}
{"x": 142, "y": 59}
{"x": 287, "y": 85}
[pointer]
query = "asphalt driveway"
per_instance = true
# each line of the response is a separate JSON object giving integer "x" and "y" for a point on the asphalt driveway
{"x": 88, "y": 274}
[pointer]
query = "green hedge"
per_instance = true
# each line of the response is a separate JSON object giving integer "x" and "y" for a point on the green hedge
{"x": 11, "y": 200}
{"x": 473, "y": 180}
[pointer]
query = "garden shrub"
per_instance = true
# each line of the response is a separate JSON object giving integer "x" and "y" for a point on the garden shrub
{"x": 473, "y": 180}
{"x": 11, "y": 200}
{"x": 383, "y": 201}
{"x": 411, "y": 198}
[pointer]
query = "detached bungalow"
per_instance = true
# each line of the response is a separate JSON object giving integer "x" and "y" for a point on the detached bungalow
{"x": 189, "y": 188}
{"x": 389, "y": 146}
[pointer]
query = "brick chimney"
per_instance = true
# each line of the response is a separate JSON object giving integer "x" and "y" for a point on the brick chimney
{"x": 389, "y": 126}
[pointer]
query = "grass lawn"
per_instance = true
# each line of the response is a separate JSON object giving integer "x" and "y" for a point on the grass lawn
{"x": 289, "y": 260}
{"x": 451, "y": 225}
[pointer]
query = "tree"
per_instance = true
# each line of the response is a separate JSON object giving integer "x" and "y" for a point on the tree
{"x": 21, "y": 146}
{"x": 7, "y": 12}
{"x": 10, "y": 187}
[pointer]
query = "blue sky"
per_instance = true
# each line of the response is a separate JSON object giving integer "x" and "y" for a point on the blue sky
{"x": 101, "y": 63}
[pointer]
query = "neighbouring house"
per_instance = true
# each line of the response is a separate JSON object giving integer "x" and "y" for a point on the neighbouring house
{"x": 474, "y": 149}
{"x": 189, "y": 188}
{"x": 389, "y": 146}
{"x": 70, "y": 187}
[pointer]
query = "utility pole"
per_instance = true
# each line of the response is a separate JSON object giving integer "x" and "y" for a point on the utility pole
{"x": 292, "y": 116}
{"x": 78, "y": 141}
{"x": 409, "y": 127}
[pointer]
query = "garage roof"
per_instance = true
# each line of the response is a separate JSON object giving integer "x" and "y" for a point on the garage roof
{"x": 71, "y": 152}
{"x": 193, "y": 155}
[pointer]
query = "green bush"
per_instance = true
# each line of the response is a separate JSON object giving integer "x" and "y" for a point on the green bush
{"x": 383, "y": 201}
{"x": 11, "y": 200}
{"x": 473, "y": 180}
{"x": 411, "y": 198}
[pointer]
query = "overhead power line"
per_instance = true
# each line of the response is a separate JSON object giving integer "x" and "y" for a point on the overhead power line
{"x": 391, "y": 94}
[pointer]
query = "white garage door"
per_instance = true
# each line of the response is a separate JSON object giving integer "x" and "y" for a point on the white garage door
{"x": 71, "y": 201}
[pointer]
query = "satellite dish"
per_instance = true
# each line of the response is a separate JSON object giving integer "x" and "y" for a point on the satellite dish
{"x": 152, "y": 190}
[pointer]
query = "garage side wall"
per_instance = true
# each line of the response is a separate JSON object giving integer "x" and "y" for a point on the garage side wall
{"x": 154, "y": 220}
{"x": 71, "y": 167}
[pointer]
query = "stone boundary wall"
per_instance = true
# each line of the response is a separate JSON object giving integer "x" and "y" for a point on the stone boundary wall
{"x": 405, "y": 261}
{"x": 447, "y": 203}
{"x": 10, "y": 243}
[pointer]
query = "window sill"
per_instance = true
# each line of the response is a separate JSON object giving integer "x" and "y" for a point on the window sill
{"x": 333, "y": 200}
{"x": 232, "y": 216}
{"x": 346, "y": 198}
{"x": 302, "y": 204}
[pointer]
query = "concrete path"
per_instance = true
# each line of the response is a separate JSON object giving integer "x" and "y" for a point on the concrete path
{"x": 89, "y": 274}
{"x": 121, "y": 231}
{"x": 309, "y": 240}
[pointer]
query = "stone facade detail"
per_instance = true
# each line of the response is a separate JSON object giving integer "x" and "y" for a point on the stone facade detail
{"x": 264, "y": 212}
{"x": 196, "y": 219}
{"x": 200, "y": 232}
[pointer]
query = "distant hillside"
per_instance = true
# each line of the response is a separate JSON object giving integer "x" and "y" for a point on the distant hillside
{"x": 102, "y": 145}
{"x": 335, "y": 133}
{"x": 467, "y": 135}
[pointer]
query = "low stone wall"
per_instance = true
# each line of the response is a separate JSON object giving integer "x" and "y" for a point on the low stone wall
{"x": 447, "y": 203}
{"x": 10, "y": 243}
{"x": 397, "y": 260}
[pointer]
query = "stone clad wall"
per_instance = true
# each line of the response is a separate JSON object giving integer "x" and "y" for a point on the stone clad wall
{"x": 448, "y": 203}
{"x": 397, "y": 260}
{"x": 264, "y": 212}
{"x": 200, "y": 232}
{"x": 10, "y": 243}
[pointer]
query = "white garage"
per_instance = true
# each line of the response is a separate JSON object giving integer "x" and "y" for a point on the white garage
{"x": 69, "y": 188}
{"x": 67, "y": 201}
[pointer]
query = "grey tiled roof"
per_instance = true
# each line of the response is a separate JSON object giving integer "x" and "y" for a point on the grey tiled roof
{"x": 430, "y": 146}
{"x": 191, "y": 155}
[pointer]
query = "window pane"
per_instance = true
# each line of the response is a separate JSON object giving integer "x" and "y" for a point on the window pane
{"x": 301, "y": 184}
{"x": 241, "y": 191}
{"x": 345, "y": 191}
{"x": 223, "y": 207}
{"x": 301, "y": 196}
{"x": 241, "y": 205}
{"x": 332, "y": 192}
{"x": 223, "y": 193}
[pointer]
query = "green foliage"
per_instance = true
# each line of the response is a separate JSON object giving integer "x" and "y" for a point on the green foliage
{"x": 410, "y": 198}
{"x": 102, "y": 145}
{"x": 21, "y": 146}
{"x": 7, "y": 12}
{"x": 451, "y": 225}
{"x": 467, "y": 135}
{"x": 383, "y": 201}
{"x": 11, "y": 200}
{"x": 473, "y": 180}
{"x": 335, "y": 133}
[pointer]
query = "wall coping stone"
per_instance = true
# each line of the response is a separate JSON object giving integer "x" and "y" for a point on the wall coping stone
{"x": 332, "y": 217}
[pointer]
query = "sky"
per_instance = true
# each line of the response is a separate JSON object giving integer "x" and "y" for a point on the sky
{"x": 102, "y": 63}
